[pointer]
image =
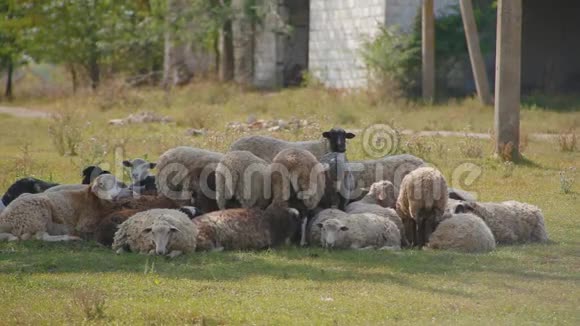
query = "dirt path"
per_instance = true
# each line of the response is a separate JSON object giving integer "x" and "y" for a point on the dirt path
{"x": 23, "y": 112}
{"x": 30, "y": 113}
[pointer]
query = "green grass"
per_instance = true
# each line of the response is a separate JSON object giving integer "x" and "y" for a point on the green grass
{"x": 45, "y": 283}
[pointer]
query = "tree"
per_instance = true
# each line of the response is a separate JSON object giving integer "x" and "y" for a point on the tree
{"x": 12, "y": 24}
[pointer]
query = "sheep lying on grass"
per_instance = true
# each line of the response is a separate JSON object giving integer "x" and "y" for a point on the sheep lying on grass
{"x": 242, "y": 176}
{"x": 511, "y": 222}
{"x": 421, "y": 203}
{"x": 142, "y": 182}
{"x": 267, "y": 148}
{"x": 39, "y": 215}
{"x": 359, "y": 231}
{"x": 462, "y": 232}
{"x": 157, "y": 231}
{"x": 25, "y": 186}
{"x": 246, "y": 229}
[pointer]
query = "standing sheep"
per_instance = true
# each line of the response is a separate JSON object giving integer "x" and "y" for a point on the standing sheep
{"x": 185, "y": 173}
{"x": 157, "y": 231}
{"x": 391, "y": 168}
{"x": 244, "y": 177}
{"x": 462, "y": 232}
{"x": 421, "y": 203}
{"x": 360, "y": 231}
{"x": 298, "y": 181}
{"x": 39, "y": 215}
{"x": 246, "y": 229}
{"x": 267, "y": 148}
{"x": 510, "y": 222}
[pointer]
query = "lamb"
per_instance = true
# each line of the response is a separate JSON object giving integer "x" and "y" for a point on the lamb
{"x": 359, "y": 231}
{"x": 25, "y": 185}
{"x": 157, "y": 231}
{"x": 313, "y": 232}
{"x": 90, "y": 173}
{"x": 267, "y": 148}
{"x": 379, "y": 200}
{"x": 511, "y": 222}
{"x": 185, "y": 173}
{"x": 421, "y": 203}
{"x": 339, "y": 180}
{"x": 39, "y": 215}
{"x": 298, "y": 181}
{"x": 142, "y": 182}
{"x": 462, "y": 232}
{"x": 243, "y": 177}
{"x": 246, "y": 229}
{"x": 391, "y": 168}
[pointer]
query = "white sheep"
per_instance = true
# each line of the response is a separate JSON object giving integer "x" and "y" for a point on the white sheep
{"x": 462, "y": 232}
{"x": 267, "y": 148}
{"x": 421, "y": 203}
{"x": 157, "y": 231}
{"x": 46, "y": 215}
{"x": 185, "y": 173}
{"x": 359, "y": 231}
{"x": 510, "y": 222}
{"x": 298, "y": 181}
{"x": 391, "y": 168}
{"x": 313, "y": 231}
{"x": 246, "y": 229}
{"x": 244, "y": 177}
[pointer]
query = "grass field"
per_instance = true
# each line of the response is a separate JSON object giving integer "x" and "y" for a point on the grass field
{"x": 46, "y": 283}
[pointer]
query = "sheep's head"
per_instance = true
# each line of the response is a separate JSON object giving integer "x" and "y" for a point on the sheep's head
{"x": 332, "y": 232}
{"x": 383, "y": 192}
{"x": 139, "y": 169}
{"x": 90, "y": 173}
{"x": 337, "y": 139}
{"x": 161, "y": 234}
{"x": 107, "y": 187}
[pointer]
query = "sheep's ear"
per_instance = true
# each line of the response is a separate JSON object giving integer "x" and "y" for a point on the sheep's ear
{"x": 147, "y": 230}
{"x": 350, "y": 135}
{"x": 326, "y": 134}
{"x": 152, "y": 165}
{"x": 344, "y": 228}
{"x": 127, "y": 164}
{"x": 173, "y": 229}
{"x": 319, "y": 225}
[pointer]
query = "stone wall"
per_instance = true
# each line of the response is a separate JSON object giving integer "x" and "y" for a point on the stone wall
{"x": 338, "y": 28}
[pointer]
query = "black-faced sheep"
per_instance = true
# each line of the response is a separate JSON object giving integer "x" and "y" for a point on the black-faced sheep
{"x": 359, "y": 231}
{"x": 157, "y": 231}
{"x": 246, "y": 229}
{"x": 185, "y": 173}
{"x": 298, "y": 181}
{"x": 25, "y": 185}
{"x": 142, "y": 182}
{"x": 81, "y": 210}
{"x": 242, "y": 178}
{"x": 462, "y": 232}
{"x": 421, "y": 203}
{"x": 90, "y": 173}
{"x": 267, "y": 148}
{"x": 511, "y": 222}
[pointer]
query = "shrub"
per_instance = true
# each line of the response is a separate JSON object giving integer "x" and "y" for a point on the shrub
{"x": 567, "y": 141}
{"x": 65, "y": 129}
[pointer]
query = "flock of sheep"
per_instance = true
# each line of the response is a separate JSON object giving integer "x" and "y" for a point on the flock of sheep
{"x": 265, "y": 193}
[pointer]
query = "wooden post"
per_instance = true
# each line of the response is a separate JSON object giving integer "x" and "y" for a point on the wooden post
{"x": 508, "y": 79}
{"x": 477, "y": 63}
{"x": 428, "y": 50}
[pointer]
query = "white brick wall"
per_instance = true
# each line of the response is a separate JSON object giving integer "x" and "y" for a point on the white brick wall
{"x": 338, "y": 28}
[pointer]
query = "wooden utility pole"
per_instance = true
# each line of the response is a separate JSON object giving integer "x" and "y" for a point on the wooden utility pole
{"x": 428, "y": 50}
{"x": 477, "y": 63}
{"x": 508, "y": 78}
